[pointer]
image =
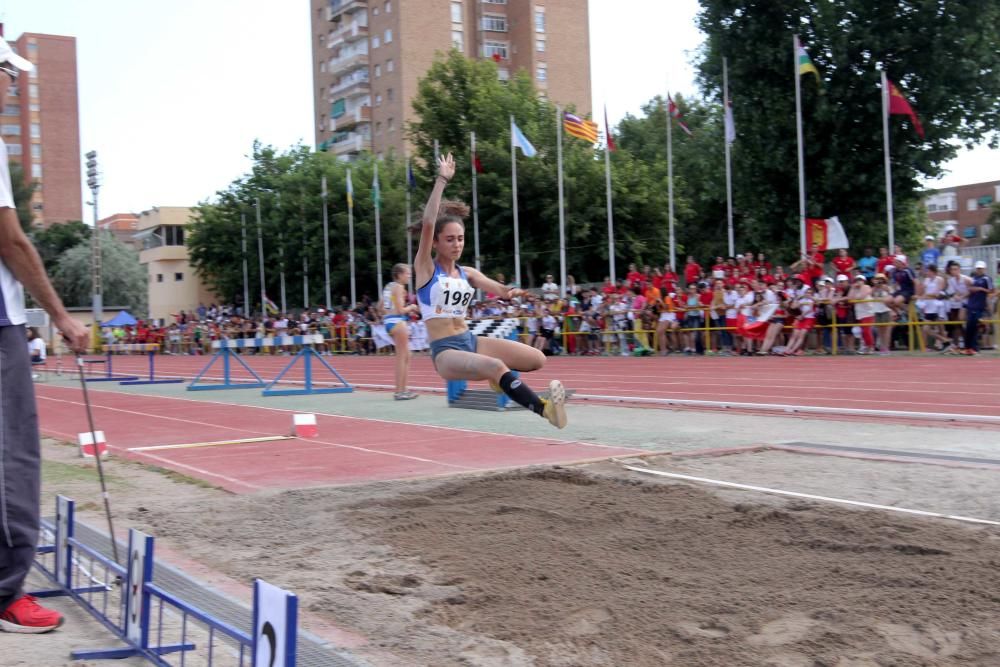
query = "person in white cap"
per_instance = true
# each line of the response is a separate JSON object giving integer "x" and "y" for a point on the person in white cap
{"x": 980, "y": 287}
{"x": 930, "y": 255}
{"x": 20, "y": 447}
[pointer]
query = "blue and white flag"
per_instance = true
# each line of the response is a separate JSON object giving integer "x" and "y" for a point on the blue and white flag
{"x": 518, "y": 140}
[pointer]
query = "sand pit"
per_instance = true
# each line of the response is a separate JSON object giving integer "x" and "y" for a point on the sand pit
{"x": 574, "y": 567}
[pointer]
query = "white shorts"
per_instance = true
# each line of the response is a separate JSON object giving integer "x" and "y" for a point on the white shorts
{"x": 668, "y": 317}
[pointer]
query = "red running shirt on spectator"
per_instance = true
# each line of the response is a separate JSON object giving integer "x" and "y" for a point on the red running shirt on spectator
{"x": 692, "y": 271}
{"x": 844, "y": 264}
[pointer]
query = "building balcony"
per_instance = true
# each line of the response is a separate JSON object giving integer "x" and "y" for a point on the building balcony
{"x": 164, "y": 253}
{"x": 348, "y": 33}
{"x": 352, "y": 88}
{"x": 352, "y": 118}
{"x": 345, "y": 63}
{"x": 347, "y": 142}
{"x": 337, "y": 9}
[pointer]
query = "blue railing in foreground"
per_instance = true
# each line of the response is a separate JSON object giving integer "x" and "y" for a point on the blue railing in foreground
{"x": 150, "y": 621}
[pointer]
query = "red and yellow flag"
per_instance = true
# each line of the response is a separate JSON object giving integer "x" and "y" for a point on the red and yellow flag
{"x": 581, "y": 128}
{"x": 901, "y": 106}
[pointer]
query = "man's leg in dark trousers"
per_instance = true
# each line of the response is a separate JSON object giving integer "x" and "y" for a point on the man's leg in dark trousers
{"x": 972, "y": 329}
{"x": 20, "y": 465}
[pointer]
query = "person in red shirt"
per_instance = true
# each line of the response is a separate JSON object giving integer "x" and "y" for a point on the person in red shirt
{"x": 719, "y": 269}
{"x": 844, "y": 262}
{"x": 608, "y": 287}
{"x": 780, "y": 275}
{"x": 761, "y": 261}
{"x": 633, "y": 277}
{"x": 656, "y": 280}
{"x": 884, "y": 260}
{"x": 692, "y": 271}
{"x": 669, "y": 283}
{"x": 645, "y": 277}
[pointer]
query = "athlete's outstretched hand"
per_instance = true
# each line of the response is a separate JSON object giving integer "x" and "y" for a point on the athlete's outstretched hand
{"x": 446, "y": 166}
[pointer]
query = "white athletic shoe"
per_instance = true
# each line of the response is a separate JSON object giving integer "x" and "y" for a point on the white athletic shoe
{"x": 555, "y": 406}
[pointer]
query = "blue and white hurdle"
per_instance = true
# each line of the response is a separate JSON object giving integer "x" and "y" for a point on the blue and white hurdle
{"x": 305, "y": 355}
{"x": 151, "y": 349}
{"x": 459, "y": 395}
{"x": 126, "y": 608}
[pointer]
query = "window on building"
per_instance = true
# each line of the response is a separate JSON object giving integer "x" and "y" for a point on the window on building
{"x": 388, "y": 6}
{"x": 338, "y": 108}
{"x": 389, "y": 95}
{"x": 985, "y": 201}
{"x": 540, "y": 45}
{"x": 159, "y": 277}
{"x": 375, "y": 11}
{"x": 33, "y": 106}
{"x": 390, "y": 125}
{"x": 36, "y": 150}
{"x": 986, "y": 230}
{"x": 971, "y": 204}
{"x": 13, "y": 149}
{"x": 542, "y": 72}
{"x": 12, "y": 110}
{"x": 378, "y": 100}
{"x": 495, "y": 2}
{"x": 322, "y": 66}
{"x": 389, "y": 65}
{"x": 456, "y": 12}
{"x": 36, "y": 131}
{"x": 539, "y": 19}
{"x": 378, "y": 71}
{"x": 11, "y": 130}
{"x": 388, "y": 35}
{"x": 178, "y": 277}
{"x": 172, "y": 235}
{"x": 376, "y": 42}
{"x": 36, "y": 170}
{"x": 495, "y": 23}
{"x": 503, "y": 74}
{"x": 32, "y": 48}
{"x": 378, "y": 127}
{"x": 458, "y": 40}
{"x": 498, "y": 49}
{"x": 969, "y": 232}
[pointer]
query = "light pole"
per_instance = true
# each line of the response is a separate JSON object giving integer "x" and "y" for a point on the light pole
{"x": 95, "y": 257}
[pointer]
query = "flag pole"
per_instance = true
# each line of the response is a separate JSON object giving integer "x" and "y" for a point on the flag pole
{"x": 305, "y": 255}
{"x": 562, "y": 207}
{"x": 607, "y": 184}
{"x": 378, "y": 230}
{"x": 326, "y": 246}
{"x": 246, "y": 270}
{"x": 513, "y": 187}
{"x": 281, "y": 258}
{"x": 475, "y": 201}
{"x": 888, "y": 167}
{"x": 729, "y": 166}
{"x": 437, "y": 151}
{"x": 798, "y": 134}
{"x": 260, "y": 257}
{"x": 409, "y": 221}
{"x": 670, "y": 181}
{"x": 350, "y": 240}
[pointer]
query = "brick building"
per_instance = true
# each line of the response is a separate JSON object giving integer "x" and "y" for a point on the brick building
{"x": 966, "y": 207}
{"x": 368, "y": 56}
{"x": 124, "y": 227}
{"x": 41, "y": 126}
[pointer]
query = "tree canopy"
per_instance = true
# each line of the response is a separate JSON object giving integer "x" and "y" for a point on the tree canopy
{"x": 123, "y": 279}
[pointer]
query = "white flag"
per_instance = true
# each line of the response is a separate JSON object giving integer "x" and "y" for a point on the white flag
{"x": 730, "y": 124}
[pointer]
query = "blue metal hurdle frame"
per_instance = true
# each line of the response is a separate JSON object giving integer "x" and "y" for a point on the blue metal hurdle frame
{"x": 227, "y": 355}
{"x": 108, "y": 371}
{"x": 151, "y": 349}
{"x": 125, "y": 609}
{"x": 306, "y": 354}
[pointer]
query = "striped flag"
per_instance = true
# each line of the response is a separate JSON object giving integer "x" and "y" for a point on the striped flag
{"x": 350, "y": 189}
{"x": 607, "y": 132}
{"x": 805, "y": 64}
{"x": 580, "y": 127}
{"x": 270, "y": 306}
{"x": 676, "y": 114}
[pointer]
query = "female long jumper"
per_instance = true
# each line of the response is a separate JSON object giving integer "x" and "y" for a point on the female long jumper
{"x": 446, "y": 289}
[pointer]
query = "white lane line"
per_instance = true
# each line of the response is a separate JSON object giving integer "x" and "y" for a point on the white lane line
{"x": 808, "y": 496}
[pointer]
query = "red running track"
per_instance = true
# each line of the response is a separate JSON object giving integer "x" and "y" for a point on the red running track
{"x": 348, "y": 450}
{"x": 909, "y": 384}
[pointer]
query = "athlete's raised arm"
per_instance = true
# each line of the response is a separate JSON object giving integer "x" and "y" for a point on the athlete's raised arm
{"x": 422, "y": 263}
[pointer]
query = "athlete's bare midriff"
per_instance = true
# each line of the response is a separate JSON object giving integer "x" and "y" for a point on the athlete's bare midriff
{"x": 442, "y": 327}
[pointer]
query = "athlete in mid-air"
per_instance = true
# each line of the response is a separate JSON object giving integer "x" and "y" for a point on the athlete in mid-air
{"x": 445, "y": 291}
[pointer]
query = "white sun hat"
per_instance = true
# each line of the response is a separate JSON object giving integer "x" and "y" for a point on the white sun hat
{"x": 7, "y": 55}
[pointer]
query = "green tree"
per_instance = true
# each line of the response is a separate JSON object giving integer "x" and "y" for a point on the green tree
{"x": 942, "y": 55}
{"x": 123, "y": 279}
{"x": 52, "y": 241}
{"x": 459, "y": 96}
{"x": 994, "y": 221}
{"x": 23, "y": 190}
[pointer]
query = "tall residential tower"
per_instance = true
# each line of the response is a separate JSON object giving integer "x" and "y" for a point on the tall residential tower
{"x": 368, "y": 56}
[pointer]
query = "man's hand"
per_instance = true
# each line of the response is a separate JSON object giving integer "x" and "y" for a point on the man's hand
{"x": 76, "y": 335}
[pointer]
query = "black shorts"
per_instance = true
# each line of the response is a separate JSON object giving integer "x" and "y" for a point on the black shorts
{"x": 931, "y": 317}
{"x": 548, "y": 333}
{"x": 906, "y": 295}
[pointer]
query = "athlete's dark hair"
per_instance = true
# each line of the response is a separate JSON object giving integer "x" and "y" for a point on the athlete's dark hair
{"x": 450, "y": 211}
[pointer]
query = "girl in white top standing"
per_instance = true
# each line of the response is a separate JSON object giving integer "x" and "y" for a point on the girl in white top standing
{"x": 446, "y": 289}
{"x": 395, "y": 317}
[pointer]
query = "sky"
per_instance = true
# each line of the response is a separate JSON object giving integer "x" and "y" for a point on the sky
{"x": 173, "y": 94}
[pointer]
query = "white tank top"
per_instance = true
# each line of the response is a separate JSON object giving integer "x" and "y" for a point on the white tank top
{"x": 932, "y": 287}
{"x": 388, "y": 307}
{"x": 445, "y": 296}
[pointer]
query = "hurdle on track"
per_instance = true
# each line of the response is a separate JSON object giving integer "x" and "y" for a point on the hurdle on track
{"x": 305, "y": 355}
{"x": 151, "y": 349}
{"x": 459, "y": 395}
{"x": 109, "y": 375}
{"x": 122, "y": 597}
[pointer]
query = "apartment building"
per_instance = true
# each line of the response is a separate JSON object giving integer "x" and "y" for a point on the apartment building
{"x": 966, "y": 208}
{"x": 41, "y": 126}
{"x": 369, "y": 55}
